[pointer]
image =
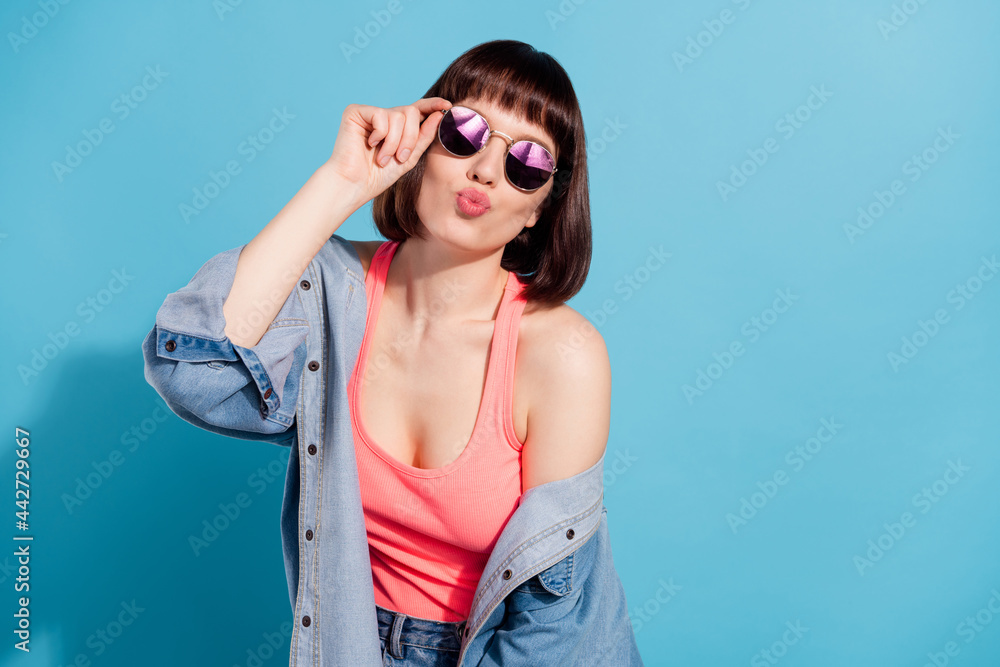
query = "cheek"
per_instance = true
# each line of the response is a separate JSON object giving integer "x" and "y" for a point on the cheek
{"x": 430, "y": 185}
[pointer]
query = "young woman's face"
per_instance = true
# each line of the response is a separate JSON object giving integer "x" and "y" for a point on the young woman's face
{"x": 445, "y": 175}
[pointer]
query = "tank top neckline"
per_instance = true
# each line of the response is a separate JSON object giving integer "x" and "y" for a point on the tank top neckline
{"x": 375, "y": 285}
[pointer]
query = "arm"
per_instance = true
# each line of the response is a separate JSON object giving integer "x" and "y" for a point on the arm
{"x": 272, "y": 262}
{"x": 568, "y": 380}
{"x": 227, "y": 350}
{"x": 217, "y": 385}
{"x": 574, "y": 612}
{"x": 270, "y": 265}
{"x": 230, "y": 363}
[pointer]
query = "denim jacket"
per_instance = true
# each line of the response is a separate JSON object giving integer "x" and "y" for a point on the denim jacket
{"x": 549, "y": 595}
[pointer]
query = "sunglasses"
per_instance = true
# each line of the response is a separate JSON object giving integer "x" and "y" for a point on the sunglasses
{"x": 463, "y": 133}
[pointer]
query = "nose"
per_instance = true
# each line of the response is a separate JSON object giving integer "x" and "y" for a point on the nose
{"x": 486, "y": 166}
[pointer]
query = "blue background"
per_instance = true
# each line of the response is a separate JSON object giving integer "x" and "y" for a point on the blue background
{"x": 703, "y": 588}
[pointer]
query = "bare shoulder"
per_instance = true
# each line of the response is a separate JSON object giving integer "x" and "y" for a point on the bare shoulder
{"x": 565, "y": 372}
{"x": 559, "y": 339}
{"x": 366, "y": 250}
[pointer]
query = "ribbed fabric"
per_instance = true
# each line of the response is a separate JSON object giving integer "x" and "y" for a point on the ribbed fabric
{"x": 431, "y": 531}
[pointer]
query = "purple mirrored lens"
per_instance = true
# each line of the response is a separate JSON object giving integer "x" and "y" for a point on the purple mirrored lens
{"x": 529, "y": 165}
{"x": 462, "y": 131}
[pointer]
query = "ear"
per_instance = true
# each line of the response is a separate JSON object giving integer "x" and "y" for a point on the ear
{"x": 542, "y": 204}
{"x": 534, "y": 218}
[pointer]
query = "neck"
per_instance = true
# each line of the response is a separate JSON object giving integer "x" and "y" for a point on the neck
{"x": 444, "y": 284}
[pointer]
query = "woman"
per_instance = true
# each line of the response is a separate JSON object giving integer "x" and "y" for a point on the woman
{"x": 472, "y": 384}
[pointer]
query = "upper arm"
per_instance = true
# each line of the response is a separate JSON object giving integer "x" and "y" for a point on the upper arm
{"x": 213, "y": 383}
{"x": 569, "y": 405}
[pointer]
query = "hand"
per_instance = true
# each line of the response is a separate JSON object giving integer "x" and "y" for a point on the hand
{"x": 368, "y": 135}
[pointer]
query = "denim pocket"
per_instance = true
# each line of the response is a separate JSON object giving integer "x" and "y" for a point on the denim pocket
{"x": 558, "y": 579}
{"x": 218, "y": 363}
{"x": 547, "y": 596}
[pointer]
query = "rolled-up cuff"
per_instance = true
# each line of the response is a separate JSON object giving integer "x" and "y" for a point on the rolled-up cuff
{"x": 190, "y": 327}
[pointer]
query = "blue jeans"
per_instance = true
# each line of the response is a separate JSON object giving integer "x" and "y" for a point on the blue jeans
{"x": 408, "y": 641}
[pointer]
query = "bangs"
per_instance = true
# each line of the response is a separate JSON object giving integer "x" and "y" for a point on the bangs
{"x": 521, "y": 81}
{"x": 552, "y": 257}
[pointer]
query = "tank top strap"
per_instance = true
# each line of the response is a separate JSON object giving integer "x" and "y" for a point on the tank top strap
{"x": 378, "y": 269}
{"x": 508, "y": 321}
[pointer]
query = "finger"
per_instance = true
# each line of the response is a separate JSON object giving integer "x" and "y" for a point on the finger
{"x": 379, "y": 120}
{"x": 391, "y": 142}
{"x": 361, "y": 115}
{"x": 429, "y": 105}
{"x": 410, "y": 133}
{"x": 428, "y": 132}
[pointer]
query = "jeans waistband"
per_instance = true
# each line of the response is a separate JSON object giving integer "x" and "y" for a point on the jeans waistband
{"x": 396, "y": 628}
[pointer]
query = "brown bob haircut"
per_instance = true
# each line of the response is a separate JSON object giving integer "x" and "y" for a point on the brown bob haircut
{"x": 552, "y": 258}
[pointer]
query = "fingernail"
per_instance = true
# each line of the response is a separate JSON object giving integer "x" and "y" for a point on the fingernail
{"x": 384, "y": 161}
{"x": 403, "y": 154}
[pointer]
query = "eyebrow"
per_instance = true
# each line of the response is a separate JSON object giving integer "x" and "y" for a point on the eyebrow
{"x": 544, "y": 144}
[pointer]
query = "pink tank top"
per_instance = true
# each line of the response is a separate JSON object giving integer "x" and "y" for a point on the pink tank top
{"x": 431, "y": 531}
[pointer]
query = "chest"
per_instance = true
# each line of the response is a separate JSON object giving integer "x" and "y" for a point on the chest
{"x": 423, "y": 392}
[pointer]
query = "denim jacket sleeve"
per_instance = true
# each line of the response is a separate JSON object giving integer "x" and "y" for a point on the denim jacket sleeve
{"x": 214, "y": 384}
{"x": 572, "y": 613}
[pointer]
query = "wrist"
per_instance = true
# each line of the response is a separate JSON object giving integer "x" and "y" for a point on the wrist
{"x": 349, "y": 196}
